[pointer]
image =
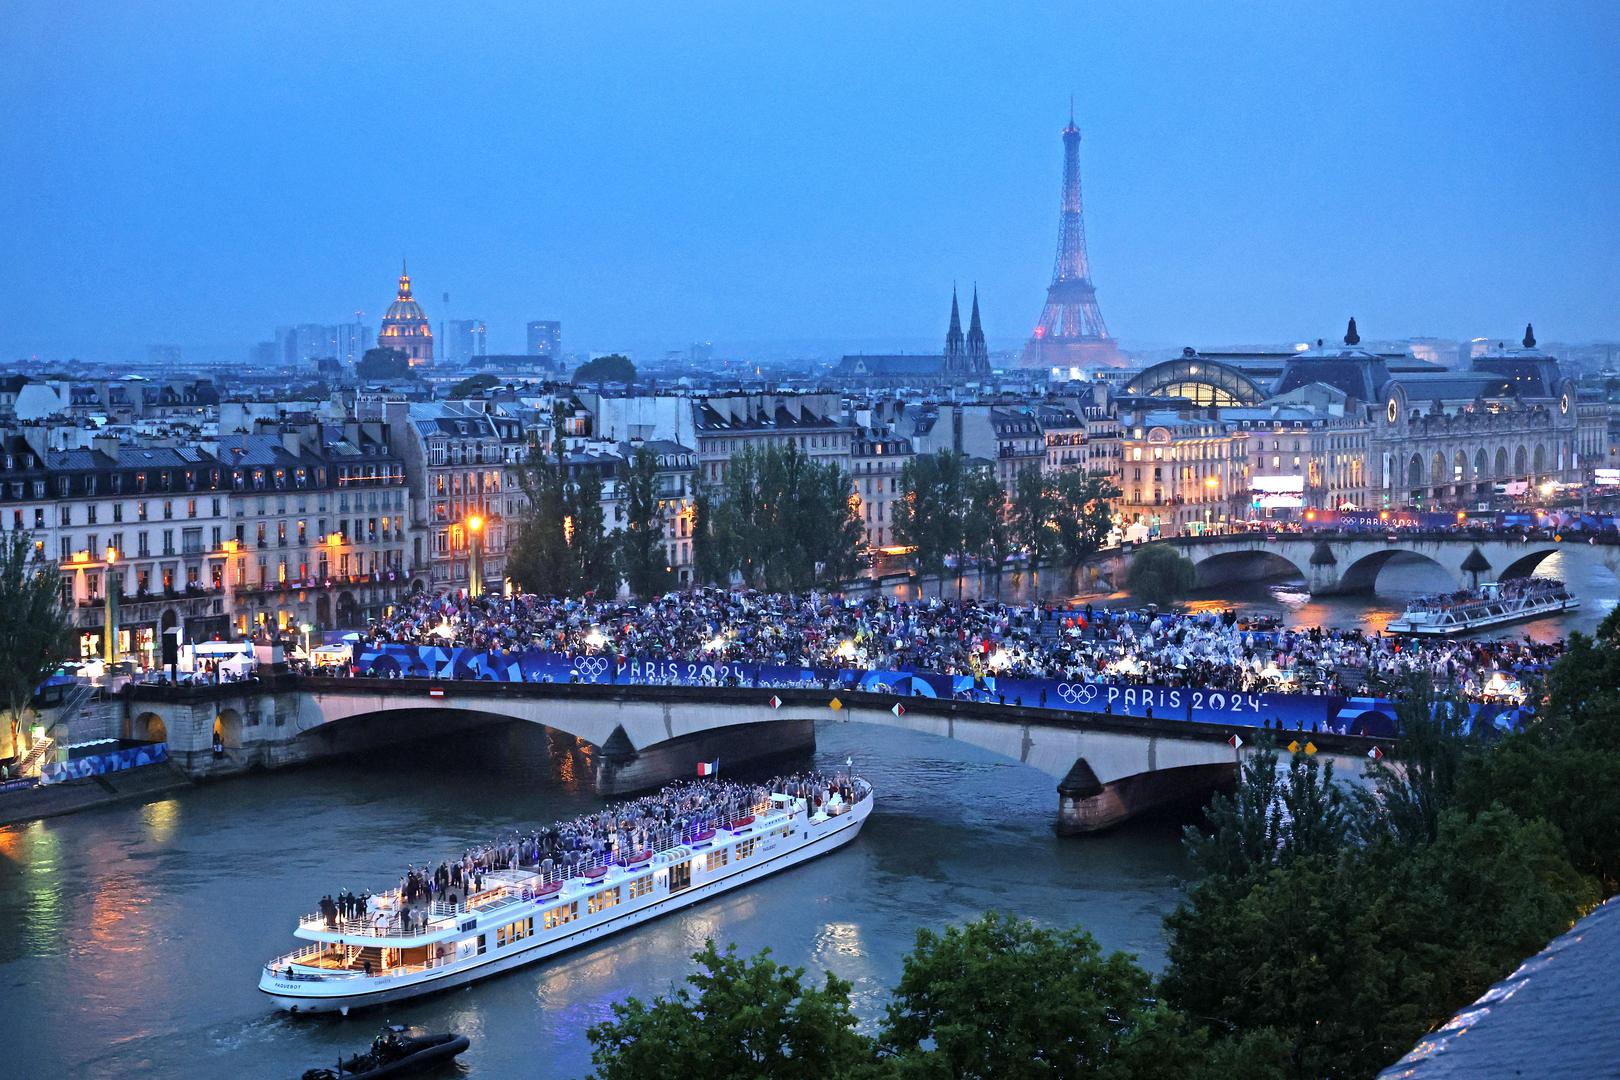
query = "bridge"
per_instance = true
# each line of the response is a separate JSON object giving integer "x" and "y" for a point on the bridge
{"x": 1110, "y": 768}
{"x": 1335, "y": 563}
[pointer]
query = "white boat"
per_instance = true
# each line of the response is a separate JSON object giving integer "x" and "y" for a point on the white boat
{"x": 1495, "y": 603}
{"x": 525, "y": 915}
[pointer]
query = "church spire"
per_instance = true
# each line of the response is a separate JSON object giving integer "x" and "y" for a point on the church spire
{"x": 977, "y": 353}
{"x": 953, "y": 338}
{"x": 1350, "y": 335}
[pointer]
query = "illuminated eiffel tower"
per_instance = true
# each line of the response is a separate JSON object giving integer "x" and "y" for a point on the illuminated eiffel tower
{"x": 1071, "y": 332}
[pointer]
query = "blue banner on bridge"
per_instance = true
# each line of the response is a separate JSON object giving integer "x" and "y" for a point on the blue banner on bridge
{"x": 1290, "y": 712}
{"x": 99, "y": 764}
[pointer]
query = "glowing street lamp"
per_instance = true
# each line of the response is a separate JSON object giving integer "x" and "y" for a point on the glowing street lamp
{"x": 475, "y": 544}
{"x": 109, "y": 641}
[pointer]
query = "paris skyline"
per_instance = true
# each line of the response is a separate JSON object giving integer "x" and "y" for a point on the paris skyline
{"x": 762, "y": 177}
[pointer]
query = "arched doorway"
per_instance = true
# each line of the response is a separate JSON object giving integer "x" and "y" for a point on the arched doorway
{"x": 149, "y": 727}
{"x": 1501, "y": 463}
{"x": 228, "y": 728}
{"x": 1540, "y": 459}
{"x": 1521, "y": 461}
{"x": 323, "y": 612}
{"x": 347, "y": 611}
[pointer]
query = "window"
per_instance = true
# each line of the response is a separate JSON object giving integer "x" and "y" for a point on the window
{"x": 746, "y": 848}
{"x": 680, "y": 876}
{"x": 565, "y": 914}
{"x": 717, "y": 859}
{"x": 513, "y": 931}
{"x": 641, "y": 886}
{"x": 601, "y": 901}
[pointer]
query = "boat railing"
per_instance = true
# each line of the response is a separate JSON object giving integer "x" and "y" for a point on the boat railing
{"x": 541, "y": 880}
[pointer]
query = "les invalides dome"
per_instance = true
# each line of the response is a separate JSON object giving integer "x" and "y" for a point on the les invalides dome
{"x": 405, "y": 328}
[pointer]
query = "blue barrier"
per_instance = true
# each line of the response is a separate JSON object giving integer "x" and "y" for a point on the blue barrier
{"x": 98, "y": 764}
{"x": 1292, "y": 712}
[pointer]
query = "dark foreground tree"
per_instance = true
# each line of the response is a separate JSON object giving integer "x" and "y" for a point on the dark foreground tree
{"x": 641, "y": 545}
{"x": 1160, "y": 575}
{"x": 383, "y": 363}
{"x": 35, "y": 636}
{"x": 928, "y": 515}
{"x": 747, "y": 1019}
{"x": 1004, "y": 999}
{"x": 1082, "y": 515}
{"x": 560, "y": 547}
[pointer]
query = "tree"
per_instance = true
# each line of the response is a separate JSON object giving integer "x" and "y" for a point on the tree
{"x": 927, "y": 517}
{"x": 748, "y": 1019}
{"x": 1160, "y": 575}
{"x": 473, "y": 385}
{"x": 641, "y": 546}
{"x": 35, "y": 635}
{"x": 561, "y": 546}
{"x": 780, "y": 521}
{"x": 606, "y": 369}
{"x": 1029, "y": 518}
{"x": 1082, "y": 515}
{"x": 382, "y": 364}
{"x": 1003, "y": 999}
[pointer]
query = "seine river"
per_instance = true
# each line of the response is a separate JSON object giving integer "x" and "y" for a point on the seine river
{"x": 131, "y": 937}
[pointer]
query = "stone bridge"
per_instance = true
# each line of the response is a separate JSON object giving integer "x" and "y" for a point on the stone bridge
{"x": 1110, "y": 768}
{"x": 1349, "y": 562}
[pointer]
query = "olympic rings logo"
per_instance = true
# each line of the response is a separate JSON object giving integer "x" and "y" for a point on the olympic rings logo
{"x": 591, "y": 667}
{"x": 1076, "y": 694}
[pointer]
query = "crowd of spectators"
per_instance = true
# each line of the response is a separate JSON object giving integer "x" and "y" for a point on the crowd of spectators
{"x": 1214, "y": 650}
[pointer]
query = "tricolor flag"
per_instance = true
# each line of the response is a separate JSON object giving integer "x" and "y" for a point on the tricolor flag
{"x": 709, "y": 768}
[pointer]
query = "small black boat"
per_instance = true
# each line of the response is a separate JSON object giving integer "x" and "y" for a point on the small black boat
{"x": 395, "y": 1052}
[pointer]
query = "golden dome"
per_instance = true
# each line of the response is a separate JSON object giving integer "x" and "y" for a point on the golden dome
{"x": 404, "y": 318}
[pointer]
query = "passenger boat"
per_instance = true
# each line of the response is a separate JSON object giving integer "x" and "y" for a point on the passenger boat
{"x": 1495, "y": 603}
{"x": 524, "y": 915}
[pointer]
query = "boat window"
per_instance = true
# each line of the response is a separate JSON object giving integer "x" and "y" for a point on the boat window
{"x": 515, "y": 931}
{"x": 746, "y": 848}
{"x": 602, "y": 900}
{"x": 559, "y": 915}
{"x": 680, "y": 876}
{"x": 480, "y": 944}
{"x": 641, "y": 886}
{"x": 717, "y": 859}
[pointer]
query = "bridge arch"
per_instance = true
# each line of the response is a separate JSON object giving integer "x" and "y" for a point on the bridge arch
{"x": 148, "y": 727}
{"x": 1251, "y": 565}
{"x": 228, "y": 728}
{"x": 1362, "y": 575}
{"x": 1525, "y": 565}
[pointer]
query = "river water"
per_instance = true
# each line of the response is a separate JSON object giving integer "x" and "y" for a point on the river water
{"x": 131, "y": 937}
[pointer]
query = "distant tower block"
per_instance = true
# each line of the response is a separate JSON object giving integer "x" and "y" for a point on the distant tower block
{"x": 1071, "y": 332}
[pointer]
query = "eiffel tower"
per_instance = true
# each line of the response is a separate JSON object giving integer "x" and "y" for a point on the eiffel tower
{"x": 1071, "y": 331}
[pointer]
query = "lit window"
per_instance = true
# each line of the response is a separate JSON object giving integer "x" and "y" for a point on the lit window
{"x": 564, "y": 914}
{"x": 602, "y": 900}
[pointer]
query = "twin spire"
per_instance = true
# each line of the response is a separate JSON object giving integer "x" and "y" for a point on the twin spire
{"x": 966, "y": 355}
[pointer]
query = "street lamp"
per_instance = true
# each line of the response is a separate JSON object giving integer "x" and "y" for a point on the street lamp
{"x": 475, "y": 543}
{"x": 306, "y": 628}
{"x": 109, "y": 643}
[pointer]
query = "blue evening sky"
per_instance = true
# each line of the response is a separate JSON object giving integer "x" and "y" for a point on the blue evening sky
{"x": 803, "y": 176}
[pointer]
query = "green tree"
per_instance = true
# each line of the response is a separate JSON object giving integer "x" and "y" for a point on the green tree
{"x": 1003, "y": 999}
{"x": 473, "y": 385}
{"x": 712, "y": 551}
{"x": 641, "y": 545}
{"x": 747, "y": 1019}
{"x": 383, "y": 363}
{"x": 1083, "y": 515}
{"x": 781, "y": 521}
{"x": 927, "y": 517}
{"x": 561, "y": 547}
{"x": 983, "y": 514}
{"x": 1160, "y": 574}
{"x": 1352, "y": 955}
{"x": 1030, "y": 517}
{"x": 35, "y": 635}
{"x": 606, "y": 369}
{"x": 1564, "y": 766}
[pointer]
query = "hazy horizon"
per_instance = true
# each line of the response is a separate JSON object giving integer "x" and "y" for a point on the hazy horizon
{"x": 197, "y": 175}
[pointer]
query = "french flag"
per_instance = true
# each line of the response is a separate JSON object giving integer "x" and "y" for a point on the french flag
{"x": 709, "y": 768}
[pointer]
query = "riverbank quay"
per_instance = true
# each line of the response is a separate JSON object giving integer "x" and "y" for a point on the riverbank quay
{"x": 1112, "y": 765}
{"x": 1505, "y": 1033}
{"x": 52, "y": 800}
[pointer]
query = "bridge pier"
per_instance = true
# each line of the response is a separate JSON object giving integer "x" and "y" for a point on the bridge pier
{"x": 621, "y": 769}
{"x": 1087, "y": 805}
